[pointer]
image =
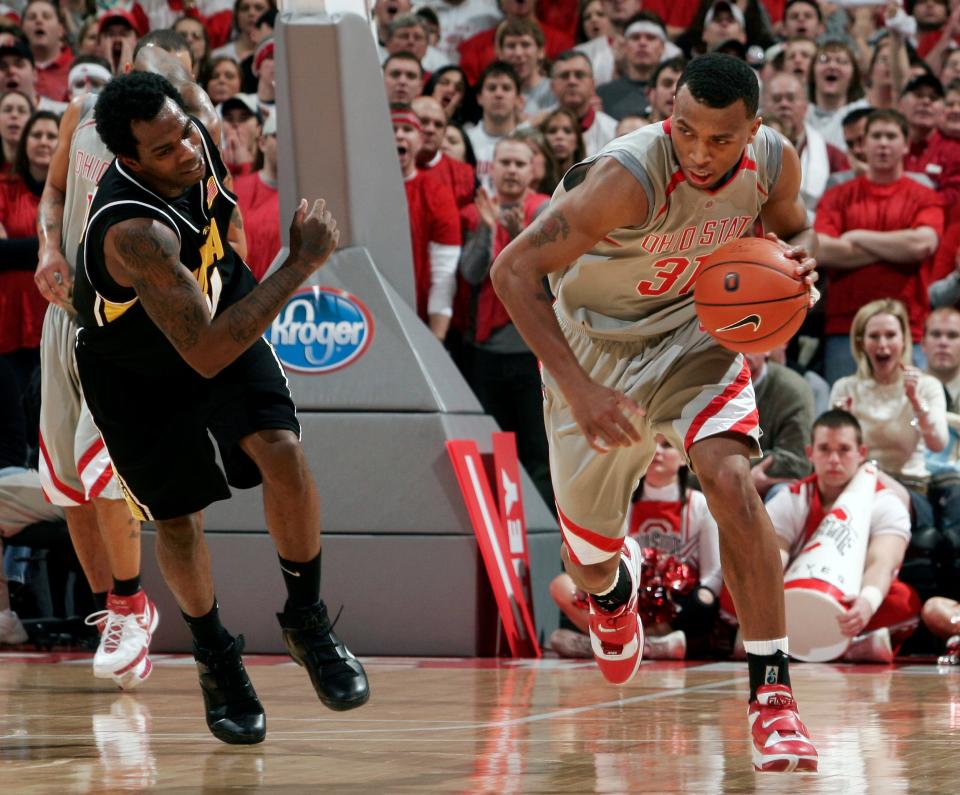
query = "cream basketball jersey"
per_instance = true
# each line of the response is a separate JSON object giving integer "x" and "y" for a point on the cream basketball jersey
{"x": 89, "y": 159}
{"x": 638, "y": 281}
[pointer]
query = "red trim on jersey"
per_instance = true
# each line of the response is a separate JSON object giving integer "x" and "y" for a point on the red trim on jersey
{"x": 816, "y": 585}
{"x": 745, "y": 164}
{"x": 675, "y": 180}
{"x": 592, "y": 538}
{"x": 62, "y": 487}
{"x": 611, "y": 241}
{"x": 88, "y": 456}
{"x": 713, "y": 408}
{"x": 101, "y": 482}
{"x": 667, "y": 123}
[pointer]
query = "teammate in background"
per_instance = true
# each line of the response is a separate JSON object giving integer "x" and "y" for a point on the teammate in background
{"x": 885, "y": 606}
{"x": 624, "y": 359}
{"x": 673, "y": 520}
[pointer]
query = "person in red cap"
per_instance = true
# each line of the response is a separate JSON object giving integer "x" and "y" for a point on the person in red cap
{"x": 117, "y": 34}
{"x": 263, "y": 69}
{"x": 434, "y": 226}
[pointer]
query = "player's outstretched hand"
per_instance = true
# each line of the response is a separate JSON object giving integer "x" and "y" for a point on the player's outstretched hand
{"x": 806, "y": 269}
{"x": 605, "y": 416}
{"x": 313, "y": 234}
{"x": 858, "y": 615}
{"x": 53, "y": 277}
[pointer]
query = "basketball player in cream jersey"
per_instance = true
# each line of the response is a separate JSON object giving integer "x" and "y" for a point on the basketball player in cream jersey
{"x": 624, "y": 359}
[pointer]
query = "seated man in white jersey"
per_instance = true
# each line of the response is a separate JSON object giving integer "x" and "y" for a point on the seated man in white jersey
{"x": 624, "y": 359}
{"x": 886, "y": 611}
{"x": 670, "y": 522}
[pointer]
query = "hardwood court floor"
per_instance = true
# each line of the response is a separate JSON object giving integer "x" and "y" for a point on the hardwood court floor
{"x": 472, "y": 726}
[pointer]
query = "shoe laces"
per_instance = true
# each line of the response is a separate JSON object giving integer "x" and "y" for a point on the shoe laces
{"x": 112, "y": 626}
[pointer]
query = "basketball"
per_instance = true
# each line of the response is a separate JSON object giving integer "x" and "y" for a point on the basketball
{"x": 747, "y": 296}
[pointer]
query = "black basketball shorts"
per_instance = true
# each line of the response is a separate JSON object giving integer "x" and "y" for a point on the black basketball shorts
{"x": 158, "y": 428}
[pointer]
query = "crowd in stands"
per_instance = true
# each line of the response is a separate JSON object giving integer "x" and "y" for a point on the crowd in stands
{"x": 492, "y": 101}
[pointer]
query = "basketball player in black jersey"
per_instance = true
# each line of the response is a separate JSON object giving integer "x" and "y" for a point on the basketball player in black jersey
{"x": 170, "y": 349}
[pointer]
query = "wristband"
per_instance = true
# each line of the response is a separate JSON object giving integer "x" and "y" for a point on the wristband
{"x": 872, "y": 596}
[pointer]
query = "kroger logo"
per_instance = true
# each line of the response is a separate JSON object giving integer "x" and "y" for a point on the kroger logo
{"x": 321, "y": 329}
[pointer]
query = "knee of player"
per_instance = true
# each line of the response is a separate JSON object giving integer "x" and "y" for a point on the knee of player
{"x": 279, "y": 456}
{"x": 182, "y": 534}
{"x": 728, "y": 486}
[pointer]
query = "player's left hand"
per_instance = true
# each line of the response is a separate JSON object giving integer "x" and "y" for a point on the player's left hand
{"x": 806, "y": 269}
{"x": 858, "y": 615}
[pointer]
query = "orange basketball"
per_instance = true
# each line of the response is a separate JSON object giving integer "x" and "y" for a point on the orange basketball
{"x": 747, "y": 296}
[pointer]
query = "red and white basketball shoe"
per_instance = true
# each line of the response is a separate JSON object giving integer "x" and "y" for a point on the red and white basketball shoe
{"x": 126, "y": 627}
{"x": 781, "y": 743}
{"x": 617, "y": 636}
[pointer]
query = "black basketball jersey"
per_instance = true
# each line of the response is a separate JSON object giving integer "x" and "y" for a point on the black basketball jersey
{"x": 113, "y": 322}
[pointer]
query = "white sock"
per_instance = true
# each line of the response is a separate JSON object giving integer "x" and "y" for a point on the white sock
{"x": 616, "y": 579}
{"x": 766, "y": 647}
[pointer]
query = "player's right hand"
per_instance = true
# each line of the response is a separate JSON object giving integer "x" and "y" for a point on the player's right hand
{"x": 53, "y": 277}
{"x": 313, "y": 234}
{"x": 605, "y": 416}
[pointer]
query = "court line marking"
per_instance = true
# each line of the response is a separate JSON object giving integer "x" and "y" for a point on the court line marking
{"x": 501, "y": 724}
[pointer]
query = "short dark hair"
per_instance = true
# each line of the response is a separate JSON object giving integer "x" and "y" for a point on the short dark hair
{"x": 855, "y": 115}
{"x": 570, "y": 55}
{"x": 21, "y": 165}
{"x": 837, "y": 418}
{"x": 498, "y": 68}
{"x": 403, "y": 55}
{"x": 717, "y": 81}
{"x": 813, "y": 3}
{"x": 138, "y": 96}
{"x": 677, "y": 64}
{"x": 889, "y": 115}
{"x": 167, "y": 39}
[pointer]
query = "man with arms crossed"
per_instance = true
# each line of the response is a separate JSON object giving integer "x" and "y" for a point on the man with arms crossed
{"x": 624, "y": 359}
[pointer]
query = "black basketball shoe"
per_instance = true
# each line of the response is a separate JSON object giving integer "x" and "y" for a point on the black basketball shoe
{"x": 336, "y": 674}
{"x": 234, "y": 713}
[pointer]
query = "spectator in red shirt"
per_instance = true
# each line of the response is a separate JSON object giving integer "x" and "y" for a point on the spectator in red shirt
{"x": 242, "y": 122}
{"x": 877, "y": 234}
{"x": 434, "y": 226}
{"x": 259, "y": 204}
{"x": 921, "y": 103}
{"x": 21, "y": 306}
{"x": 409, "y": 33}
{"x": 457, "y": 175}
{"x": 937, "y": 28}
{"x": 940, "y": 159}
{"x": 477, "y": 52}
{"x": 44, "y": 28}
{"x": 503, "y": 372}
{"x": 245, "y": 16}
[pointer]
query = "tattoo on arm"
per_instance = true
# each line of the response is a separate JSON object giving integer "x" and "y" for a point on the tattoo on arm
{"x": 248, "y": 318}
{"x": 236, "y": 219}
{"x": 50, "y": 214}
{"x": 168, "y": 292}
{"x": 549, "y": 229}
